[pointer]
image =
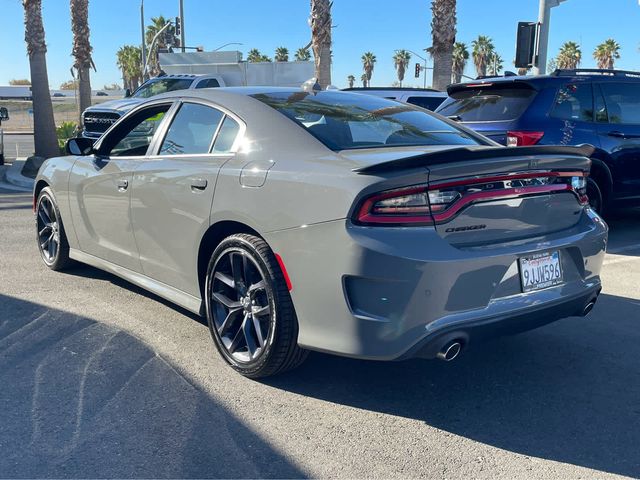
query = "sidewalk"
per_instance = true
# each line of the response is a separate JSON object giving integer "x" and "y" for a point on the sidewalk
{"x": 11, "y": 177}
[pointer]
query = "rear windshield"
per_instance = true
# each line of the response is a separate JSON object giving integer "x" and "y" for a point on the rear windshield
{"x": 487, "y": 104}
{"x": 345, "y": 121}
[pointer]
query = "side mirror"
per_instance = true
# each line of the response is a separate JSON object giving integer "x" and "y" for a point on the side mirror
{"x": 79, "y": 146}
{"x": 127, "y": 93}
{"x": 4, "y": 113}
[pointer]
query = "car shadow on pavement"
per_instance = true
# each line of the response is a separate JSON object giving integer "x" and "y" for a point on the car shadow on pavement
{"x": 83, "y": 399}
{"x": 568, "y": 392}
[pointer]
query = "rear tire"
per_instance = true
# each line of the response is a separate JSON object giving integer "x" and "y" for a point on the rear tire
{"x": 50, "y": 234}
{"x": 249, "y": 310}
{"x": 596, "y": 199}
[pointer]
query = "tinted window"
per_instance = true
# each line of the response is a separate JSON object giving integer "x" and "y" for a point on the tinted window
{"x": 430, "y": 103}
{"x": 226, "y": 136}
{"x": 133, "y": 137}
{"x": 162, "y": 85}
{"x": 623, "y": 102}
{"x": 574, "y": 102}
{"x": 601, "y": 108}
{"x": 487, "y": 104}
{"x": 343, "y": 120}
{"x": 192, "y": 130}
{"x": 210, "y": 83}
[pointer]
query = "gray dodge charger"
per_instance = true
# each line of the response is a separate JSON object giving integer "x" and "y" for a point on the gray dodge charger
{"x": 300, "y": 220}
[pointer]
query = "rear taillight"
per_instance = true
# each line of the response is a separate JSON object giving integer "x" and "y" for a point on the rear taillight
{"x": 397, "y": 207}
{"x": 523, "y": 139}
{"x": 579, "y": 186}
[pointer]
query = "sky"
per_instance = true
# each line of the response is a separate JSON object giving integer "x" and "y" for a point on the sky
{"x": 379, "y": 26}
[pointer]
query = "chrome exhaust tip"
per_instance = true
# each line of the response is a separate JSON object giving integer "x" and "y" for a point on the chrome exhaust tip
{"x": 450, "y": 351}
{"x": 588, "y": 307}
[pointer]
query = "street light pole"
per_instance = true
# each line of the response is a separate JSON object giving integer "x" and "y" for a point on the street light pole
{"x": 144, "y": 46}
{"x": 182, "y": 26}
{"x": 226, "y": 45}
{"x": 544, "y": 17}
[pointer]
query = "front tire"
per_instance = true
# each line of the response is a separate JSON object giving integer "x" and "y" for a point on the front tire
{"x": 249, "y": 309}
{"x": 50, "y": 234}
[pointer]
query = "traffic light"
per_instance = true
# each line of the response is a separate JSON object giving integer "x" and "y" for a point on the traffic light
{"x": 178, "y": 26}
{"x": 418, "y": 68}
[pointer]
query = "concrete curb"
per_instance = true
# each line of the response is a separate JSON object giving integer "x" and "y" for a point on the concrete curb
{"x": 18, "y": 133}
{"x": 5, "y": 185}
{"x": 14, "y": 176}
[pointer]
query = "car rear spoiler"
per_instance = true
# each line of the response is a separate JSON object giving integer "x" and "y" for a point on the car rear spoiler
{"x": 469, "y": 154}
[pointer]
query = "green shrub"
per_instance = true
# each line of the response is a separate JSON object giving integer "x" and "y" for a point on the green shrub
{"x": 65, "y": 131}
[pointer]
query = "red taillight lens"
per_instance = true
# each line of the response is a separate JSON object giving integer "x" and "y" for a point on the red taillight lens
{"x": 522, "y": 139}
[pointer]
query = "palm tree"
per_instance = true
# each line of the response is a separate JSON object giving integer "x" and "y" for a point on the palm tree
{"x": 351, "y": 79}
{"x": 368, "y": 62}
{"x": 302, "y": 55}
{"x": 82, "y": 51}
{"x": 363, "y": 79}
{"x": 482, "y": 50}
{"x": 607, "y": 53}
{"x": 282, "y": 54}
{"x": 569, "y": 56}
{"x": 443, "y": 32}
{"x": 44, "y": 128}
{"x": 460, "y": 57}
{"x": 401, "y": 60}
{"x": 495, "y": 64}
{"x": 157, "y": 24}
{"x": 129, "y": 59}
{"x": 320, "y": 22}
{"x": 523, "y": 71}
{"x": 254, "y": 56}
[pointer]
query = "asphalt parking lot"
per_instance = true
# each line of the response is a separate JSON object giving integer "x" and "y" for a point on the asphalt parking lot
{"x": 100, "y": 379}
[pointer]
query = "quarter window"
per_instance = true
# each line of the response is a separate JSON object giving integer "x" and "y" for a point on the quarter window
{"x": 226, "y": 136}
{"x": 574, "y": 102}
{"x": 623, "y": 102}
{"x": 192, "y": 130}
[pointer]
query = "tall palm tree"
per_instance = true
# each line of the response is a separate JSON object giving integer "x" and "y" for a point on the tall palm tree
{"x": 443, "y": 32}
{"x": 352, "y": 80}
{"x": 320, "y": 22}
{"x": 460, "y": 58}
{"x": 302, "y": 55}
{"x": 368, "y": 62}
{"x": 44, "y": 128}
{"x": 282, "y": 54}
{"x": 81, "y": 52}
{"x": 401, "y": 60}
{"x": 157, "y": 24}
{"x": 363, "y": 79}
{"x": 569, "y": 56}
{"x": 254, "y": 55}
{"x": 607, "y": 53}
{"x": 482, "y": 50}
{"x": 129, "y": 60}
{"x": 496, "y": 63}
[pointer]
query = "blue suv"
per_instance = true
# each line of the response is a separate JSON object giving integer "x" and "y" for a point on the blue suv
{"x": 568, "y": 107}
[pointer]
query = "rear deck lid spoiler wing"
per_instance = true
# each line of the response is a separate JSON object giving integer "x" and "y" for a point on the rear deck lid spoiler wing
{"x": 470, "y": 154}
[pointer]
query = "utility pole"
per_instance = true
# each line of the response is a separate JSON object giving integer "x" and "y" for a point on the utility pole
{"x": 544, "y": 18}
{"x": 144, "y": 46}
{"x": 182, "y": 26}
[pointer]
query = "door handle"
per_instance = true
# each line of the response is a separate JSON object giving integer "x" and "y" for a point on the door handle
{"x": 617, "y": 134}
{"x": 198, "y": 183}
{"x": 122, "y": 184}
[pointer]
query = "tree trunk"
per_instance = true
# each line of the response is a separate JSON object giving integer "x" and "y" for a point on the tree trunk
{"x": 321, "y": 40}
{"x": 44, "y": 128}
{"x": 323, "y": 66}
{"x": 442, "y": 66}
{"x": 84, "y": 90}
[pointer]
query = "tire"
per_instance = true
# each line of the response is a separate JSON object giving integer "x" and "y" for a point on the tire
{"x": 249, "y": 310}
{"x": 596, "y": 199}
{"x": 50, "y": 234}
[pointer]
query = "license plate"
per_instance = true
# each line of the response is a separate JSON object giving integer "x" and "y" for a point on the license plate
{"x": 540, "y": 271}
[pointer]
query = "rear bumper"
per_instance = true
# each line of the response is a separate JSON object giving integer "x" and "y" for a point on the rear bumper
{"x": 393, "y": 293}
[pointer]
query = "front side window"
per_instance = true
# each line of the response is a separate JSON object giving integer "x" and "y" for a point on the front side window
{"x": 161, "y": 85}
{"x": 133, "y": 136}
{"x": 344, "y": 120}
{"x": 574, "y": 102}
{"x": 192, "y": 130}
{"x": 623, "y": 102}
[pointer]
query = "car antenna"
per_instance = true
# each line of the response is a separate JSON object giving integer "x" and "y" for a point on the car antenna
{"x": 311, "y": 86}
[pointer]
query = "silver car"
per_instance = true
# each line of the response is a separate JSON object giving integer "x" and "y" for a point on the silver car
{"x": 298, "y": 220}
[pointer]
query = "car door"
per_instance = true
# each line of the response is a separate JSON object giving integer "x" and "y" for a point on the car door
{"x": 619, "y": 129}
{"x": 100, "y": 188}
{"x": 173, "y": 192}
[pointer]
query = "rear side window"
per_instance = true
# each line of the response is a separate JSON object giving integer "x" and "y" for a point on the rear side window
{"x": 623, "y": 102}
{"x": 192, "y": 130}
{"x": 574, "y": 102}
{"x": 495, "y": 103}
{"x": 430, "y": 103}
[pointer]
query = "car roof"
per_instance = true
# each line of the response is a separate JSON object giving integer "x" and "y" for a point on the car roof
{"x": 391, "y": 89}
